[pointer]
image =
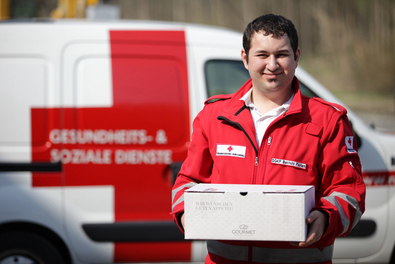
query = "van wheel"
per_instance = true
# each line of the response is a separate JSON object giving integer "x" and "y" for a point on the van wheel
{"x": 27, "y": 248}
{"x": 17, "y": 259}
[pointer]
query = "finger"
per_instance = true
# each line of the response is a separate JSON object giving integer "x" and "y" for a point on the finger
{"x": 311, "y": 238}
{"x": 309, "y": 241}
{"x": 312, "y": 235}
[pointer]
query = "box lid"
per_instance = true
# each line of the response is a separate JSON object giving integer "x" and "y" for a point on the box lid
{"x": 225, "y": 188}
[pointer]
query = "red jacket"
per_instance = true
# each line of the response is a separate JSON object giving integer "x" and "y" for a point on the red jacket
{"x": 313, "y": 134}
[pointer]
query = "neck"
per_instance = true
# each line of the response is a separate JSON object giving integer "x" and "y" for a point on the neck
{"x": 269, "y": 101}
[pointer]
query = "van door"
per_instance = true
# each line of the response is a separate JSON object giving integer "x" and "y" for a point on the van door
{"x": 126, "y": 123}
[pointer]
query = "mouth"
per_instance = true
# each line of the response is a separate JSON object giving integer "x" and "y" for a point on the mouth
{"x": 272, "y": 75}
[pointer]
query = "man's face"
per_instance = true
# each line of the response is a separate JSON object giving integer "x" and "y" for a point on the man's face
{"x": 271, "y": 63}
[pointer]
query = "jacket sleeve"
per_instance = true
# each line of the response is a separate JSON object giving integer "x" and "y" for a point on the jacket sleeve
{"x": 195, "y": 169}
{"x": 341, "y": 192}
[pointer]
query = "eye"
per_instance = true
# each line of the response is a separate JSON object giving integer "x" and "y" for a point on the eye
{"x": 262, "y": 55}
{"x": 282, "y": 55}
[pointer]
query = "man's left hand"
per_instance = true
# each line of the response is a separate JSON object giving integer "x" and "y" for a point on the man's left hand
{"x": 317, "y": 221}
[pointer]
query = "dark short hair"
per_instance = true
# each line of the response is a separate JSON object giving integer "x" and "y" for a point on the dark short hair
{"x": 270, "y": 25}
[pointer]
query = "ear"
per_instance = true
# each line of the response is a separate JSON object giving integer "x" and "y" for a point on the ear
{"x": 297, "y": 56}
{"x": 244, "y": 58}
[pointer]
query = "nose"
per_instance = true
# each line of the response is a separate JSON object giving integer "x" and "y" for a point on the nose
{"x": 272, "y": 64}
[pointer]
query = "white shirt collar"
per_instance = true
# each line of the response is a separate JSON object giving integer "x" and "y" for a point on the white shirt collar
{"x": 247, "y": 100}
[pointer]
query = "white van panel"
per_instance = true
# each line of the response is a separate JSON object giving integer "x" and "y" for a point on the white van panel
{"x": 363, "y": 247}
{"x": 23, "y": 86}
{"x": 21, "y": 202}
{"x": 89, "y": 205}
{"x": 94, "y": 83}
{"x": 87, "y": 75}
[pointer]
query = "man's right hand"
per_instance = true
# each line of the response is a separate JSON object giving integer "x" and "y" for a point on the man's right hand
{"x": 318, "y": 222}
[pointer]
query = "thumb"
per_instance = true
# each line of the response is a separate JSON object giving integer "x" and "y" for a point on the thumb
{"x": 312, "y": 217}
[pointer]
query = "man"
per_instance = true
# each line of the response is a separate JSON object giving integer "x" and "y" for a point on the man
{"x": 275, "y": 124}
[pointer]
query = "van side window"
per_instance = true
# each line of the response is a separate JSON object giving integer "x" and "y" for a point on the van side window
{"x": 224, "y": 76}
{"x": 227, "y": 76}
{"x": 306, "y": 91}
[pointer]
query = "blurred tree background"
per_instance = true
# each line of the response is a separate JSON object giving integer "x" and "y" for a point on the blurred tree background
{"x": 348, "y": 45}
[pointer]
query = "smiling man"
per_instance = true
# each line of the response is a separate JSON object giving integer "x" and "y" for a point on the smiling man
{"x": 274, "y": 127}
{"x": 271, "y": 63}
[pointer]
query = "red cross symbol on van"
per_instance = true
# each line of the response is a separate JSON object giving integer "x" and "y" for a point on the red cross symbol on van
{"x": 150, "y": 94}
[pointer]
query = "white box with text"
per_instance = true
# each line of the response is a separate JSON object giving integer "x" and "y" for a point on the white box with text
{"x": 248, "y": 212}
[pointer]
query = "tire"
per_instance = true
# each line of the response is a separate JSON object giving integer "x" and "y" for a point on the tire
{"x": 392, "y": 260}
{"x": 27, "y": 248}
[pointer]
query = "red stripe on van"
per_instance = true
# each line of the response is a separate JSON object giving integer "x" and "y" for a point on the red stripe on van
{"x": 379, "y": 178}
{"x": 47, "y": 179}
{"x": 152, "y": 252}
{"x": 166, "y": 51}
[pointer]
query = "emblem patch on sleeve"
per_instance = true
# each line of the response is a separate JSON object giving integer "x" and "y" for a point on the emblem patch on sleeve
{"x": 349, "y": 144}
{"x": 231, "y": 150}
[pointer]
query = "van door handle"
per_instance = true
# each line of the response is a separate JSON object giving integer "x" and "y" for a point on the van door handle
{"x": 31, "y": 166}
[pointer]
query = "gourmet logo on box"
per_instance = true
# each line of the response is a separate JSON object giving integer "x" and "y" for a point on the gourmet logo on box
{"x": 243, "y": 230}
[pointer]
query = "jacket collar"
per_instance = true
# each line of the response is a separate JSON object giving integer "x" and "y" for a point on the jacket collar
{"x": 236, "y": 106}
{"x": 237, "y": 112}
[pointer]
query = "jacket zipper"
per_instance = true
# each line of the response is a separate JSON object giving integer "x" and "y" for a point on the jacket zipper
{"x": 245, "y": 133}
{"x": 268, "y": 143}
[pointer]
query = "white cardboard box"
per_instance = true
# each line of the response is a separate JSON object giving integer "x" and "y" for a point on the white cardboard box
{"x": 248, "y": 212}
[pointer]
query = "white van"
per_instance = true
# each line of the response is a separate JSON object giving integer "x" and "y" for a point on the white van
{"x": 95, "y": 122}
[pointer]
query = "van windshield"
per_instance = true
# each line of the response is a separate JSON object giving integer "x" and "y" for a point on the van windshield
{"x": 227, "y": 76}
